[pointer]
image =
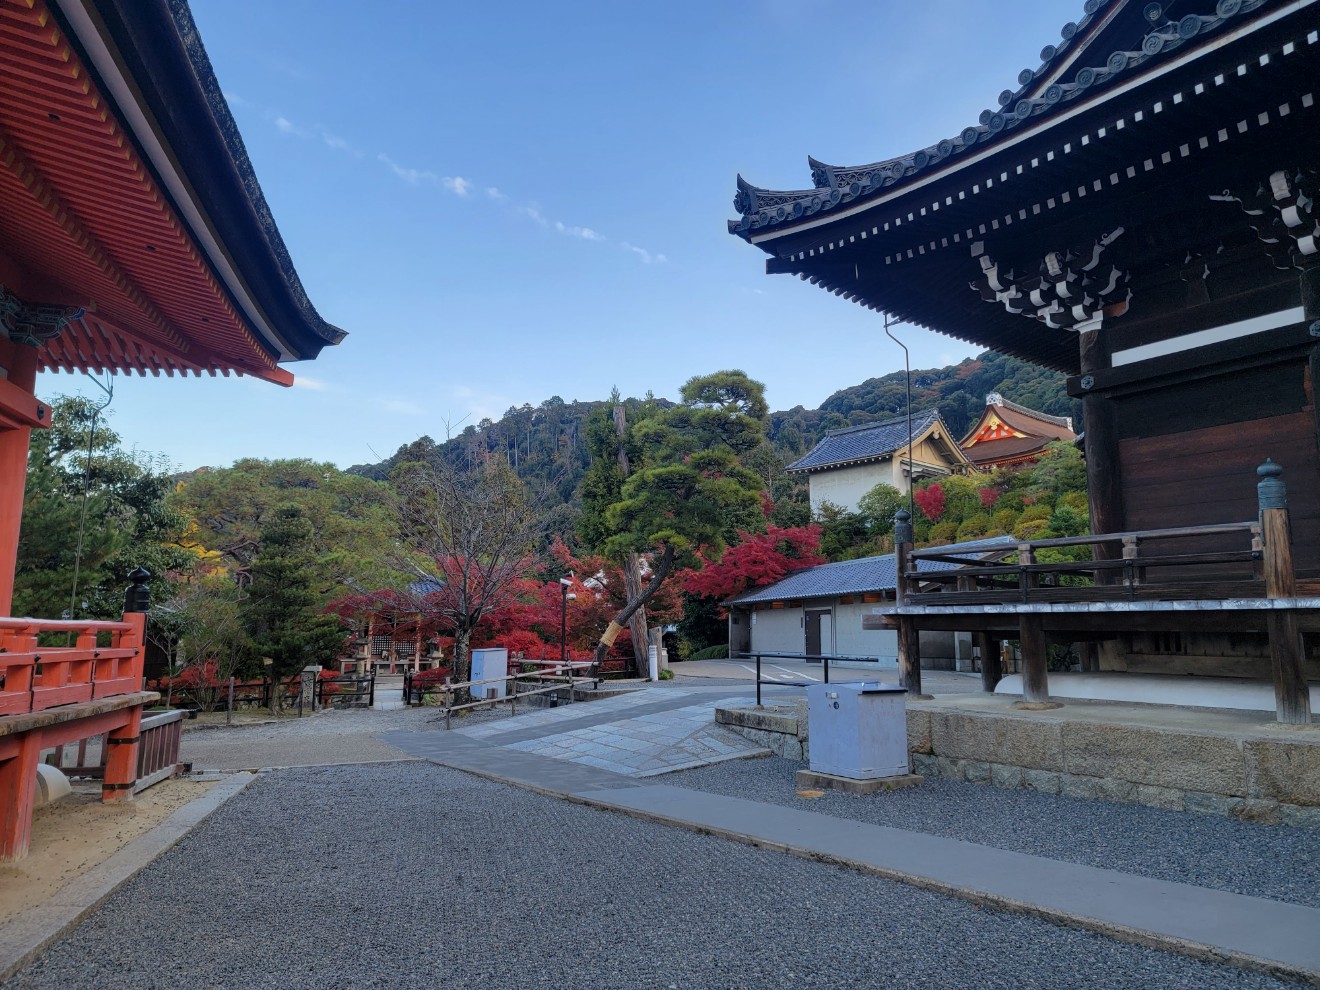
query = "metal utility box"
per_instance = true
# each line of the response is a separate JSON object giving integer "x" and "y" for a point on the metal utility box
{"x": 858, "y": 729}
{"x": 487, "y": 664}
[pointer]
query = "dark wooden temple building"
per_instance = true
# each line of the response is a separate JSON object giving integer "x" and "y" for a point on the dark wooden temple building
{"x": 1138, "y": 211}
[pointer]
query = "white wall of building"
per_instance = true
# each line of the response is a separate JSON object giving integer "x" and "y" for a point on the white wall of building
{"x": 845, "y": 486}
{"x": 778, "y": 630}
{"x": 852, "y": 641}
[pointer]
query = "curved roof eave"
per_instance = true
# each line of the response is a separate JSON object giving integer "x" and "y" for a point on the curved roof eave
{"x": 149, "y": 57}
{"x": 840, "y": 191}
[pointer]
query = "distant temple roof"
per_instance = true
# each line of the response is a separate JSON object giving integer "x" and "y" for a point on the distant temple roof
{"x": 868, "y": 442}
{"x": 855, "y": 577}
{"x": 1008, "y": 433}
{"x": 133, "y": 233}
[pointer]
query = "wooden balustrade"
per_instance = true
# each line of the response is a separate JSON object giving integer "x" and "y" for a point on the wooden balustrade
{"x": 34, "y": 678}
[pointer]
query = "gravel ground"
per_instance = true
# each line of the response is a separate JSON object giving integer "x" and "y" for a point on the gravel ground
{"x": 1261, "y": 860}
{"x": 467, "y": 883}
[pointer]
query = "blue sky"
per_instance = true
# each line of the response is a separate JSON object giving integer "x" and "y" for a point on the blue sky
{"x": 504, "y": 202}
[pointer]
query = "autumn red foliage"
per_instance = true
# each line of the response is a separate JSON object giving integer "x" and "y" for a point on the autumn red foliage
{"x": 931, "y": 501}
{"x": 989, "y": 496}
{"x": 757, "y": 559}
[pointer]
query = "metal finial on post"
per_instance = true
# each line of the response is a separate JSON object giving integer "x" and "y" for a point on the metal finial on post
{"x": 1271, "y": 491}
{"x": 902, "y": 527}
{"x": 138, "y": 596}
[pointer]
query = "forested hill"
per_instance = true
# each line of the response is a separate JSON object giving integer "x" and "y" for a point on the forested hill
{"x": 546, "y": 444}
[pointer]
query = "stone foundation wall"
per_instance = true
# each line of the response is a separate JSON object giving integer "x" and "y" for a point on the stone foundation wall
{"x": 1271, "y": 775}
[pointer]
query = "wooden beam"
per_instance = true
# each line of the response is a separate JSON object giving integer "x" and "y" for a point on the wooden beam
{"x": 909, "y": 656}
{"x": 991, "y": 666}
{"x": 1100, "y": 425}
{"x": 1292, "y": 697}
{"x": 1035, "y": 681}
{"x": 18, "y": 787}
{"x": 20, "y": 364}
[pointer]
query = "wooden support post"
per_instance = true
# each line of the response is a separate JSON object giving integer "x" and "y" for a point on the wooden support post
{"x": 18, "y": 791}
{"x": 19, "y": 362}
{"x": 1035, "y": 680}
{"x": 991, "y": 668}
{"x": 1102, "y": 465}
{"x": 121, "y": 758}
{"x": 1292, "y": 697}
{"x": 1090, "y": 657}
{"x": 909, "y": 656}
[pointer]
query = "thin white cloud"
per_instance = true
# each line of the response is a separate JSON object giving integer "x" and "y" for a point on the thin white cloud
{"x": 647, "y": 257}
{"x": 495, "y": 194}
{"x": 233, "y": 99}
{"x": 457, "y": 185}
{"x": 409, "y": 175}
{"x": 285, "y": 126}
{"x": 586, "y": 233}
{"x": 311, "y": 384}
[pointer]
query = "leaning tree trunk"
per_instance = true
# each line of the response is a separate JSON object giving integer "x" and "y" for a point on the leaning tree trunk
{"x": 658, "y": 575}
{"x": 632, "y": 567}
{"x": 632, "y": 583}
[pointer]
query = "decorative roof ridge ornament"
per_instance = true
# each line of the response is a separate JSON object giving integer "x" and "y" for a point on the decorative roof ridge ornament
{"x": 835, "y": 185}
{"x": 1072, "y": 290}
{"x": 995, "y": 399}
{"x": 34, "y": 323}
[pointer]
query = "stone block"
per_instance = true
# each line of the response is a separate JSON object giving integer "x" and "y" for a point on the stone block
{"x": 1071, "y": 785}
{"x": 918, "y": 731}
{"x": 1023, "y": 741}
{"x": 1291, "y": 814}
{"x": 1158, "y": 757}
{"x": 790, "y": 748}
{"x": 752, "y": 718}
{"x": 1045, "y": 781}
{"x": 1169, "y": 798}
{"x": 1209, "y": 804}
{"x": 976, "y": 771}
{"x": 924, "y": 765}
{"x": 1258, "y": 810}
{"x": 1002, "y": 776}
{"x": 946, "y": 767}
{"x": 1116, "y": 789}
{"x": 810, "y": 780}
{"x": 1286, "y": 770}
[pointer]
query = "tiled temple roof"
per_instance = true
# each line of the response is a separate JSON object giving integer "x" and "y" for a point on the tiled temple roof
{"x": 867, "y": 442}
{"x": 1038, "y": 95}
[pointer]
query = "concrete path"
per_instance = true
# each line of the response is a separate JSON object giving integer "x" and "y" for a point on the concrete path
{"x": 1254, "y": 932}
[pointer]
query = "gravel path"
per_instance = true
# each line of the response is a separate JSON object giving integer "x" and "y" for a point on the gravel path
{"x": 455, "y": 882}
{"x": 1261, "y": 860}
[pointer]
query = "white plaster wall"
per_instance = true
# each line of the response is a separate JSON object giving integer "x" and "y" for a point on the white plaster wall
{"x": 778, "y": 630}
{"x": 851, "y": 641}
{"x": 845, "y": 486}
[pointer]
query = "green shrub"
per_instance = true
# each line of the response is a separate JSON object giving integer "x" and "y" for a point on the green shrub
{"x": 666, "y": 675}
{"x": 718, "y": 652}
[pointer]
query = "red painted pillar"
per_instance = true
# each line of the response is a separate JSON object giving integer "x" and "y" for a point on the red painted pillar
{"x": 121, "y": 760}
{"x": 18, "y": 792}
{"x": 20, "y": 362}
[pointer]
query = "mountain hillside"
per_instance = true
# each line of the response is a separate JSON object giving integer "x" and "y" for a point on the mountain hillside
{"x": 546, "y": 446}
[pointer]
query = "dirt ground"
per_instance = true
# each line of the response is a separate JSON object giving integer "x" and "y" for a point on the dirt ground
{"x": 78, "y": 833}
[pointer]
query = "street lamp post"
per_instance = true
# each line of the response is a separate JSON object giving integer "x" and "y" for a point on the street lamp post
{"x": 564, "y": 585}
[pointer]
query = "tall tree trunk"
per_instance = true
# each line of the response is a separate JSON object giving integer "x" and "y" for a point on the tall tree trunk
{"x": 632, "y": 583}
{"x": 660, "y": 571}
{"x": 632, "y": 567}
{"x": 462, "y": 663}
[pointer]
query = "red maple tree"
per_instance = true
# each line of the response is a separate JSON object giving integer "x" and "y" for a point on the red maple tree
{"x": 931, "y": 501}
{"x": 757, "y": 559}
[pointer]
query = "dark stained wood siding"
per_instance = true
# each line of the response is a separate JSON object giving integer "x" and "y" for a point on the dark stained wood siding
{"x": 1188, "y": 452}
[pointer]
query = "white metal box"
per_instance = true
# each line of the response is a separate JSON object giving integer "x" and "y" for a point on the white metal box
{"x": 858, "y": 729}
{"x": 488, "y": 664}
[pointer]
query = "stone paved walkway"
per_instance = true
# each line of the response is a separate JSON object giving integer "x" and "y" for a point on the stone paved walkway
{"x": 648, "y": 732}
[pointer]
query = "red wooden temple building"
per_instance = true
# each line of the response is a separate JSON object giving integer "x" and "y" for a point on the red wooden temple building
{"x": 134, "y": 238}
{"x": 1009, "y": 435}
{"x": 1140, "y": 212}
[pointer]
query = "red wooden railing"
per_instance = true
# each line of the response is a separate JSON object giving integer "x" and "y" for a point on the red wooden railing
{"x": 34, "y": 677}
